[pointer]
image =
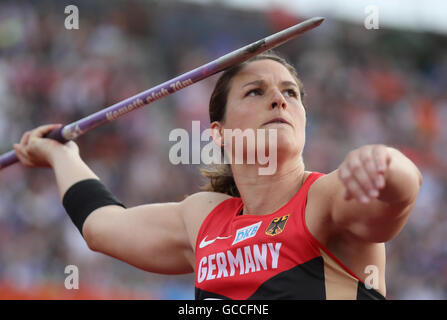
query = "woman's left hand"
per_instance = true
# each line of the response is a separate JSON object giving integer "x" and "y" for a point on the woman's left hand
{"x": 363, "y": 172}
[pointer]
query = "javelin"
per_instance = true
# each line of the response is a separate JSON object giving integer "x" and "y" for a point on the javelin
{"x": 78, "y": 128}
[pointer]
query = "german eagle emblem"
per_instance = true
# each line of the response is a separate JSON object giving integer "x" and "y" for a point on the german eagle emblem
{"x": 276, "y": 226}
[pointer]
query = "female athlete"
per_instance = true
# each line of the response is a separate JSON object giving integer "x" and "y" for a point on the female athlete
{"x": 293, "y": 234}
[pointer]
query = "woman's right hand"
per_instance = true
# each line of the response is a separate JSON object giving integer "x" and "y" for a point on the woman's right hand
{"x": 36, "y": 151}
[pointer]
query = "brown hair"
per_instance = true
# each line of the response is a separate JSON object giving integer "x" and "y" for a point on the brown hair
{"x": 221, "y": 176}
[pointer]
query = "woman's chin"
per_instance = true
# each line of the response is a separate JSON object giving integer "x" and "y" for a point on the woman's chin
{"x": 287, "y": 147}
{"x": 282, "y": 146}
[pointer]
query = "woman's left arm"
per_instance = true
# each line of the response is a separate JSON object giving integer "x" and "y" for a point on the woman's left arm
{"x": 373, "y": 192}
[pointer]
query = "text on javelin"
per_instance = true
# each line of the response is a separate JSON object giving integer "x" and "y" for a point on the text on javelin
{"x": 112, "y": 115}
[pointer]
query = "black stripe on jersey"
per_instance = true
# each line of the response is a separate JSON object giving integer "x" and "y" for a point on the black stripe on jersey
{"x": 368, "y": 294}
{"x": 305, "y": 281}
{"x": 202, "y": 295}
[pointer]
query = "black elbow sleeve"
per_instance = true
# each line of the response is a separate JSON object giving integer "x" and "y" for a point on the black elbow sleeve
{"x": 85, "y": 196}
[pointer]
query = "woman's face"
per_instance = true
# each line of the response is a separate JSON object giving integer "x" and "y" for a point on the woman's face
{"x": 262, "y": 91}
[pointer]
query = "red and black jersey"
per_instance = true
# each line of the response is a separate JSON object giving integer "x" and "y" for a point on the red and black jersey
{"x": 270, "y": 256}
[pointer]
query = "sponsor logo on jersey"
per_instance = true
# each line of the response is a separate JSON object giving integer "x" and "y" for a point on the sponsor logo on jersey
{"x": 205, "y": 242}
{"x": 246, "y": 232}
{"x": 276, "y": 226}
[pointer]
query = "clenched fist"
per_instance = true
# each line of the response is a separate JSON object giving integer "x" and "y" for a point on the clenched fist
{"x": 363, "y": 172}
{"x": 36, "y": 151}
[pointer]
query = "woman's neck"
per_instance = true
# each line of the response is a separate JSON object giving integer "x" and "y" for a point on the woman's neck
{"x": 264, "y": 194}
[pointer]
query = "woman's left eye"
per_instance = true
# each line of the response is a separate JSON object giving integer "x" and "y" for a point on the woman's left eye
{"x": 292, "y": 93}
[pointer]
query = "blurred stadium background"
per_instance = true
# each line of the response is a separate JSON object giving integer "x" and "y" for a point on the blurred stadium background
{"x": 363, "y": 86}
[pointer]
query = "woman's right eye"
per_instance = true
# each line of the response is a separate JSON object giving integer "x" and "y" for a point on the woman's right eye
{"x": 254, "y": 92}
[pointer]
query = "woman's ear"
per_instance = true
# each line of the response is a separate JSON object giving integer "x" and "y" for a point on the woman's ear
{"x": 216, "y": 133}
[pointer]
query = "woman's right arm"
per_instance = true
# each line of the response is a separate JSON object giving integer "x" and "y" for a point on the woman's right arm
{"x": 154, "y": 237}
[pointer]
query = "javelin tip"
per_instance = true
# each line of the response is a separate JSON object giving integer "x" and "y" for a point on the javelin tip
{"x": 317, "y": 20}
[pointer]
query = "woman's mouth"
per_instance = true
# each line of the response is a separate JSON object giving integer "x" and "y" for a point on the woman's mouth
{"x": 277, "y": 120}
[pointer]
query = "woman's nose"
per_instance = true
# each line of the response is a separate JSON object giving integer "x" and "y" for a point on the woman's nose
{"x": 278, "y": 100}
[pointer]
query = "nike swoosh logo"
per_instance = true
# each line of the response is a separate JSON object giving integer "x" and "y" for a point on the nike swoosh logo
{"x": 204, "y": 243}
